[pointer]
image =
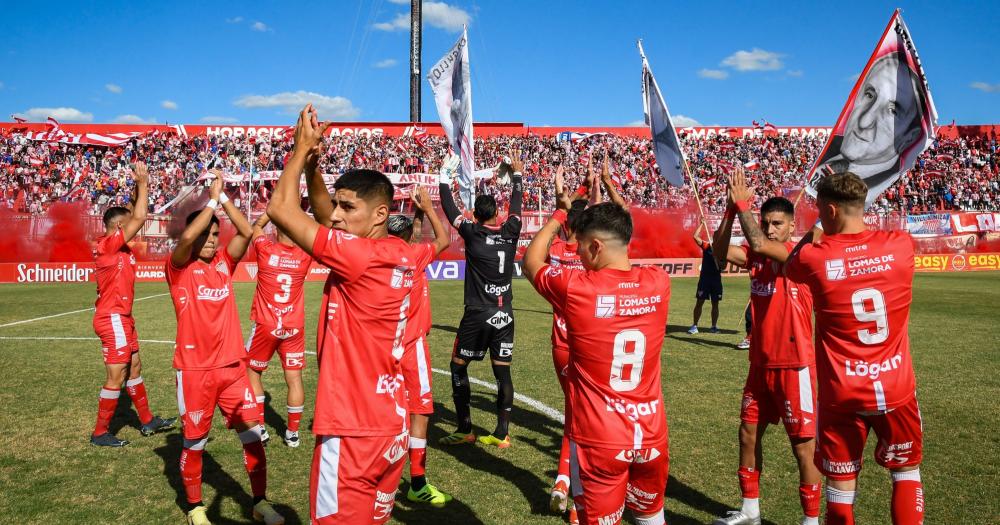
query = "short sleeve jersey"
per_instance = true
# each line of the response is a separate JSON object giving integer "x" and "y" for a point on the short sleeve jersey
{"x": 562, "y": 254}
{"x": 616, "y": 321}
{"x": 419, "y": 317}
{"x": 208, "y": 324}
{"x": 281, "y": 275}
{"x": 782, "y": 316}
{"x": 489, "y": 260}
{"x": 360, "y": 338}
{"x": 863, "y": 287}
{"x": 115, "y": 272}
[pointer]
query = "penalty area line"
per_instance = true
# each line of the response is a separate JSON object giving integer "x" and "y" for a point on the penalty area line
{"x": 91, "y": 309}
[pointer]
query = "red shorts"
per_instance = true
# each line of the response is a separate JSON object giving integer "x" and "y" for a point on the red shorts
{"x": 263, "y": 342}
{"x": 560, "y": 360}
{"x": 786, "y": 395}
{"x": 200, "y": 391}
{"x": 604, "y": 481}
{"x": 840, "y": 444}
{"x": 355, "y": 479}
{"x": 416, "y": 365}
{"x": 118, "y": 337}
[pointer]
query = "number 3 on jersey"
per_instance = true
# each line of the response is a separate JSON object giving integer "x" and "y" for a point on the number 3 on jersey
{"x": 285, "y": 281}
{"x": 876, "y": 315}
{"x": 629, "y": 351}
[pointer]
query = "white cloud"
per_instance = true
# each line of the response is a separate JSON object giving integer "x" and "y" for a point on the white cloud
{"x": 61, "y": 114}
{"x": 682, "y": 121}
{"x": 716, "y": 74}
{"x": 168, "y": 104}
{"x": 329, "y": 108}
{"x": 984, "y": 87}
{"x": 133, "y": 119}
{"x": 234, "y": 20}
{"x": 114, "y": 88}
{"x": 435, "y": 14}
{"x": 400, "y": 2}
{"x": 259, "y": 26}
{"x": 754, "y": 60}
{"x": 212, "y": 119}
{"x": 389, "y": 62}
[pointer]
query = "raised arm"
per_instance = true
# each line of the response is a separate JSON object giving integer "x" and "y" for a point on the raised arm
{"x": 538, "y": 251}
{"x": 425, "y": 207}
{"x": 140, "y": 206}
{"x": 595, "y": 188}
{"x": 259, "y": 225}
{"x": 451, "y": 210}
{"x": 609, "y": 185}
{"x": 516, "y": 189}
{"x": 285, "y": 208}
{"x": 740, "y": 196}
{"x": 721, "y": 242}
{"x": 237, "y": 247}
{"x": 319, "y": 195}
{"x": 182, "y": 252}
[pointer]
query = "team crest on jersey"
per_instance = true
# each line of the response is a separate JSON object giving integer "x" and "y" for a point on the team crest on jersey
{"x": 222, "y": 268}
{"x": 273, "y": 260}
{"x": 835, "y": 270}
{"x": 605, "y": 307}
{"x": 195, "y": 416}
{"x": 252, "y": 270}
{"x": 397, "y": 277}
{"x": 499, "y": 320}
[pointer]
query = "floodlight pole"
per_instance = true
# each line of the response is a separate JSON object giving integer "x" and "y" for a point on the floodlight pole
{"x": 415, "y": 47}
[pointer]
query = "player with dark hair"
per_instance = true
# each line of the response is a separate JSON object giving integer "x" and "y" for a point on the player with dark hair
{"x": 209, "y": 355}
{"x": 278, "y": 315}
{"x": 488, "y": 322}
{"x": 361, "y": 411}
{"x": 416, "y": 362}
{"x": 616, "y": 316}
{"x": 862, "y": 281}
{"x": 113, "y": 322}
{"x": 779, "y": 384}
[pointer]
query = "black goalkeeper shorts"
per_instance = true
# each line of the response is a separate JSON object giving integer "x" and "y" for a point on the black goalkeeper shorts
{"x": 485, "y": 329}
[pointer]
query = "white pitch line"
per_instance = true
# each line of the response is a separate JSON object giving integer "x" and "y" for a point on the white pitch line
{"x": 91, "y": 309}
{"x": 530, "y": 401}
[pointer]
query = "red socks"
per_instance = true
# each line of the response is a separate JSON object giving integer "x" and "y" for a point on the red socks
{"x": 137, "y": 391}
{"x": 839, "y": 506}
{"x": 294, "y": 418}
{"x": 809, "y": 498}
{"x": 106, "y": 410}
{"x": 418, "y": 456}
{"x": 191, "y": 470}
{"x": 907, "y": 498}
{"x": 749, "y": 482}
{"x": 260, "y": 409}
{"x": 255, "y": 461}
{"x": 563, "y": 469}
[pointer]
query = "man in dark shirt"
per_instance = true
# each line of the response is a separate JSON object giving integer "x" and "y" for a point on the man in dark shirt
{"x": 709, "y": 283}
{"x": 488, "y": 322}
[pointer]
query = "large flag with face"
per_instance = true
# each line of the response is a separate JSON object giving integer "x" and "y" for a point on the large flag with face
{"x": 452, "y": 85}
{"x": 889, "y": 118}
{"x": 666, "y": 146}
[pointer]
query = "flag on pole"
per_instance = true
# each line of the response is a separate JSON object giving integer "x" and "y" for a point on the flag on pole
{"x": 751, "y": 165}
{"x": 451, "y": 83}
{"x": 888, "y": 121}
{"x": 666, "y": 146}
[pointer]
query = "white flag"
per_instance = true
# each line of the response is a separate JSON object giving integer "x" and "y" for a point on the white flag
{"x": 666, "y": 146}
{"x": 452, "y": 85}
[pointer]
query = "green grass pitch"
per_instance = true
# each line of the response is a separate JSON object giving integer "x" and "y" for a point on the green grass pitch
{"x": 48, "y": 397}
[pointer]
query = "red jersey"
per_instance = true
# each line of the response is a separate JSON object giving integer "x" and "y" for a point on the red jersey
{"x": 781, "y": 313}
{"x": 115, "y": 275}
{"x": 562, "y": 253}
{"x": 863, "y": 287}
{"x": 418, "y": 321}
{"x": 281, "y": 275}
{"x": 208, "y": 324}
{"x": 361, "y": 333}
{"x": 616, "y": 321}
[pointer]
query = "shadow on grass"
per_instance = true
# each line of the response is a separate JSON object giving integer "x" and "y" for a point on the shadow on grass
{"x": 421, "y": 514}
{"x": 445, "y": 328}
{"x": 125, "y": 415}
{"x": 274, "y": 420}
{"x": 214, "y": 476}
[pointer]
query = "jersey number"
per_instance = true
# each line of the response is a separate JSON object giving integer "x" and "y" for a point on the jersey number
{"x": 630, "y": 349}
{"x": 285, "y": 281}
{"x": 503, "y": 257}
{"x": 877, "y": 315}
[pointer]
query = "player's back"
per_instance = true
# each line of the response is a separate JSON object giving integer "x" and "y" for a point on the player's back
{"x": 615, "y": 322}
{"x": 115, "y": 274}
{"x": 862, "y": 288}
{"x": 489, "y": 266}
{"x": 281, "y": 275}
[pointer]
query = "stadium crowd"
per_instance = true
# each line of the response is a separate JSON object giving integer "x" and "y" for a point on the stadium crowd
{"x": 960, "y": 174}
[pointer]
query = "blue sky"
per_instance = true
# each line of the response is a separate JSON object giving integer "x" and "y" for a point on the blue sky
{"x": 555, "y": 62}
